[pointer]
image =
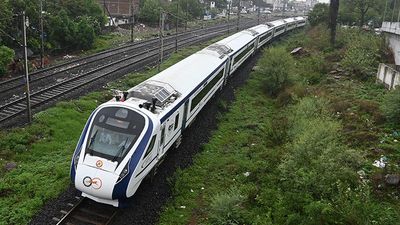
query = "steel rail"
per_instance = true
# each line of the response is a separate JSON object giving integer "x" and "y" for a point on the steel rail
{"x": 10, "y": 84}
{"x": 89, "y": 212}
{"x": 17, "y": 107}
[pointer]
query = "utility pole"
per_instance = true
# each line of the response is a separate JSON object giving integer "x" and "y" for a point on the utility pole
{"x": 238, "y": 17}
{"x": 229, "y": 14}
{"x": 27, "y": 91}
{"x": 187, "y": 13}
{"x": 258, "y": 15}
{"x": 132, "y": 21}
{"x": 162, "y": 18}
{"x": 176, "y": 26}
{"x": 42, "y": 36}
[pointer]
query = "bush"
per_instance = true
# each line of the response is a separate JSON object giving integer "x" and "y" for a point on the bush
{"x": 72, "y": 35}
{"x": 225, "y": 207}
{"x": 391, "y": 106}
{"x": 6, "y": 57}
{"x": 150, "y": 11}
{"x": 312, "y": 69}
{"x": 315, "y": 164}
{"x": 277, "y": 67}
{"x": 363, "y": 54}
{"x": 319, "y": 14}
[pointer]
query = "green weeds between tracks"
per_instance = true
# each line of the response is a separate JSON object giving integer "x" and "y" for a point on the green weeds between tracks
{"x": 303, "y": 156}
{"x": 42, "y": 151}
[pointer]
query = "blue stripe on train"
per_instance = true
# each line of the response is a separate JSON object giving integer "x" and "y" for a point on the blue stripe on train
{"x": 120, "y": 188}
{"x": 79, "y": 147}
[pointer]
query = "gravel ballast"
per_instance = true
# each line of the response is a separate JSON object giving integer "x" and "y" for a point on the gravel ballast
{"x": 152, "y": 195}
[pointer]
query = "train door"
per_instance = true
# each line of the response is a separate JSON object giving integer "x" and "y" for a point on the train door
{"x": 227, "y": 70}
{"x": 184, "y": 116}
{"x": 150, "y": 153}
{"x": 161, "y": 149}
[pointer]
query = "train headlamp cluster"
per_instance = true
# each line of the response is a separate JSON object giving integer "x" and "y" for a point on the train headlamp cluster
{"x": 124, "y": 172}
{"x": 76, "y": 160}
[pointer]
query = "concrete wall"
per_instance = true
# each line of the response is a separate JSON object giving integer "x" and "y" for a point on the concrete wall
{"x": 392, "y": 34}
{"x": 388, "y": 76}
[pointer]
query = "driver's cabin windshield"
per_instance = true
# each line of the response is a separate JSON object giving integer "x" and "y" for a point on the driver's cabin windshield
{"x": 114, "y": 131}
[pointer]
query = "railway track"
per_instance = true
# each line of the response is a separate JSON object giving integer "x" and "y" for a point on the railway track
{"x": 80, "y": 78}
{"x": 87, "y": 212}
{"x": 8, "y": 87}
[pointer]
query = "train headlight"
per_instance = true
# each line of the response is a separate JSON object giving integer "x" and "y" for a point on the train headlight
{"x": 76, "y": 160}
{"x": 124, "y": 172}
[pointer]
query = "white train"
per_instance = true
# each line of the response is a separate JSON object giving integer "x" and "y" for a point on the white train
{"x": 124, "y": 139}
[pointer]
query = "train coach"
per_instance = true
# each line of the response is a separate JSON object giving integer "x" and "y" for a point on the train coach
{"x": 126, "y": 138}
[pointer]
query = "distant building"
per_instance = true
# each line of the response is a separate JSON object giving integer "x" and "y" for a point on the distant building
{"x": 311, "y": 3}
{"x": 119, "y": 8}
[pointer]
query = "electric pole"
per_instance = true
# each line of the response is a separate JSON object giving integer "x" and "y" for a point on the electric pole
{"x": 162, "y": 18}
{"x": 42, "y": 36}
{"x": 27, "y": 91}
{"x": 229, "y": 14}
{"x": 238, "y": 17}
{"x": 132, "y": 21}
{"x": 176, "y": 26}
{"x": 258, "y": 15}
{"x": 187, "y": 13}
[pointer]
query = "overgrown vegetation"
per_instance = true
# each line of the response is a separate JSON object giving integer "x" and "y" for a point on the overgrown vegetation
{"x": 306, "y": 154}
{"x": 6, "y": 57}
{"x": 34, "y": 161}
{"x": 278, "y": 68}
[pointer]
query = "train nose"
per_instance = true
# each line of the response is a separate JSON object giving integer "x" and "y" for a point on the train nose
{"x": 96, "y": 180}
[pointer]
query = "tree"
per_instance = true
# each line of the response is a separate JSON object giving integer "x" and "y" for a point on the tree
{"x": 150, "y": 12}
{"x": 6, "y": 57}
{"x": 362, "y": 6}
{"x": 333, "y": 15}
{"x": 5, "y": 14}
{"x": 319, "y": 14}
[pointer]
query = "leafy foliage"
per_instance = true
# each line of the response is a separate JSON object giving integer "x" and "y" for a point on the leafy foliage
{"x": 225, "y": 207}
{"x": 83, "y": 22}
{"x": 6, "y": 57}
{"x": 150, "y": 11}
{"x": 319, "y": 14}
{"x": 362, "y": 12}
{"x": 277, "y": 69}
{"x": 72, "y": 35}
{"x": 363, "y": 53}
{"x": 391, "y": 106}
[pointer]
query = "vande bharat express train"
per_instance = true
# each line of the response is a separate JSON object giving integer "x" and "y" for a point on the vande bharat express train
{"x": 124, "y": 139}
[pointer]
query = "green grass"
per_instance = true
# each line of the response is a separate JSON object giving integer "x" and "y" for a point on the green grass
{"x": 43, "y": 150}
{"x": 294, "y": 159}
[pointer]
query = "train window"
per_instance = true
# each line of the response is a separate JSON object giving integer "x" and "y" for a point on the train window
{"x": 265, "y": 37}
{"x": 115, "y": 130}
{"x": 196, "y": 100}
{"x": 151, "y": 146}
{"x": 280, "y": 29}
{"x": 176, "y": 121}
{"x": 244, "y": 53}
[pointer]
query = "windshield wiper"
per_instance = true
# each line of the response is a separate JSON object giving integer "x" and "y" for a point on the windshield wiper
{"x": 120, "y": 151}
{"x": 91, "y": 142}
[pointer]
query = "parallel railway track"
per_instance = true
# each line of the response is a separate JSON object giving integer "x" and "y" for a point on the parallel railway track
{"x": 78, "y": 79}
{"x": 73, "y": 66}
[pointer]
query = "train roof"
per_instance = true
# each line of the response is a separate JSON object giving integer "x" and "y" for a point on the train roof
{"x": 262, "y": 28}
{"x": 289, "y": 20}
{"x": 238, "y": 40}
{"x": 277, "y": 23}
{"x": 187, "y": 74}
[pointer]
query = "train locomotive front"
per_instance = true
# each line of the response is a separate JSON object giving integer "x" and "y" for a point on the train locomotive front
{"x": 109, "y": 151}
